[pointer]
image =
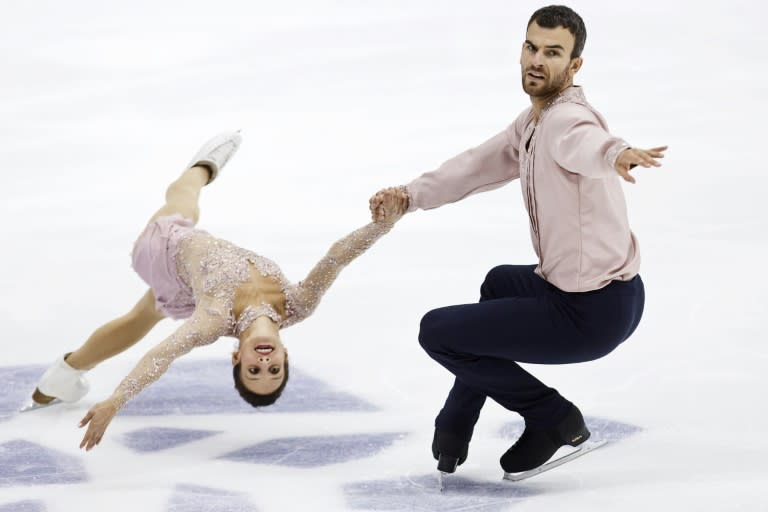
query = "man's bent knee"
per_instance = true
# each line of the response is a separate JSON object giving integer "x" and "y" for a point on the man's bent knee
{"x": 432, "y": 329}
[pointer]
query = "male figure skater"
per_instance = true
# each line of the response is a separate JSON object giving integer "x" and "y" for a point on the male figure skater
{"x": 582, "y": 299}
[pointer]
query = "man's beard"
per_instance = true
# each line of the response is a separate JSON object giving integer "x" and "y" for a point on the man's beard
{"x": 554, "y": 86}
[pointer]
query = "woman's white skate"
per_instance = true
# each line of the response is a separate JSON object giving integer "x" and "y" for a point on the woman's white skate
{"x": 62, "y": 381}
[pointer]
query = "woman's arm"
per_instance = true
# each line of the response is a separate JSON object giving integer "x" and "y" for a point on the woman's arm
{"x": 202, "y": 328}
{"x": 307, "y": 293}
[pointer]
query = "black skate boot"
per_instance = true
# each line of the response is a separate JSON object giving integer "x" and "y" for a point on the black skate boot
{"x": 535, "y": 447}
{"x": 449, "y": 451}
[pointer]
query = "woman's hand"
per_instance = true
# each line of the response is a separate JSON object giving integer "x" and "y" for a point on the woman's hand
{"x": 389, "y": 204}
{"x": 97, "y": 419}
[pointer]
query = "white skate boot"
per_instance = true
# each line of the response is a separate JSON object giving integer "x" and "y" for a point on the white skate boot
{"x": 215, "y": 153}
{"x": 61, "y": 381}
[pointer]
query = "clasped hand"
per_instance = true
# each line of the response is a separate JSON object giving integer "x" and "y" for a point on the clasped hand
{"x": 388, "y": 205}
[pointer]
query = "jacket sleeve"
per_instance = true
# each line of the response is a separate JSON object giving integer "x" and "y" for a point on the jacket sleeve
{"x": 488, "y": 166}
{"x": 581, "y": 143}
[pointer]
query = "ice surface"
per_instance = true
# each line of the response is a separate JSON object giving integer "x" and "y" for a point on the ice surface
{"x": 103, "y": 103}
{"x": 23, "y": 506}
{"x": 422, "y": 494}
{"x": 314, "y": 451}
{"x": 194, "y": 498}
{"x": 156, "y": 439}
{"x": 24, "y": 463}
{"x": 206, "y": 387}
{"x": 18, "y": 383}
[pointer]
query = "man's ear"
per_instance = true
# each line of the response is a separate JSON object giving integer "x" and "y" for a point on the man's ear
{"x": 576, "y": 65}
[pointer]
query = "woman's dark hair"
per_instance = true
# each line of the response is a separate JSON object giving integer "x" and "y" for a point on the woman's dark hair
{"x": 256, "y": 399}
{"x": 554, "y": 16}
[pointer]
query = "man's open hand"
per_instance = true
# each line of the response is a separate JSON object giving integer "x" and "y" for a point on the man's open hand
{"x": 635, "y": 156}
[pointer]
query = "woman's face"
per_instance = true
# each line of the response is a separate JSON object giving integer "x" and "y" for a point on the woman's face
{"x": 262, "y": 363}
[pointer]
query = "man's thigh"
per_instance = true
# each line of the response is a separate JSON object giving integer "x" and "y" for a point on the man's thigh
{"x": 512, "y": 281}
{"x": 521, "y": 329}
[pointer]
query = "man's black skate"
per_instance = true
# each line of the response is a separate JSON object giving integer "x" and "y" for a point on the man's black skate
{"x": 449, "y": 451}
{"x": 535, "y": 447}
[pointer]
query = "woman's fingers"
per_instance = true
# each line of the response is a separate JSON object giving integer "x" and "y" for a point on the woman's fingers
{"x": 92, "y": 437}
{"x": 86, "y": 419}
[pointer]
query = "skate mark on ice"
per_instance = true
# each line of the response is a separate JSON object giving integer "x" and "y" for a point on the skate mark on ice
{"x": 17, "y": 383}
{"x": 206, "y": 387}
{"x": 159, "y": 438}
{"x": 422, "y": 494}
{"x": 315, "y": 451}
{"x": 23, "y": 506}
{"x": 25, "y": 463}
{"x": 194, "y": 498}
{"x": 600, "y": 428}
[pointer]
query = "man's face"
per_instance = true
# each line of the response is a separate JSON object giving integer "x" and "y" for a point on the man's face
{"x": 545, "y": 62}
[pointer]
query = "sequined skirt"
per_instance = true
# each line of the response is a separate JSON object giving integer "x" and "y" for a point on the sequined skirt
{"x": 154, "y": 259}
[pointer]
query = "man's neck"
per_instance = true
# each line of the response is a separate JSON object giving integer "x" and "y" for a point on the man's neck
{"x": 540, "y": 102}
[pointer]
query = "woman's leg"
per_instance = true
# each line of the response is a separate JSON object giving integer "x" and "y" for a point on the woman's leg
{"x": 182, "y": 195}
{"x": 112, "y": 338}
{"x": 118, "y": 335}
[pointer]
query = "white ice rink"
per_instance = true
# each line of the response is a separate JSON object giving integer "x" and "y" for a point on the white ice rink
{"x": 103, "y": 103}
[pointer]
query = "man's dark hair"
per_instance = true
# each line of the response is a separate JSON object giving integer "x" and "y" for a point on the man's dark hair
{"x": 554, "y": 16}
{"x": 256, "y": 399}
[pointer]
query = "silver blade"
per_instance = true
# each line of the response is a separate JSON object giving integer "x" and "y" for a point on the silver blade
{"x": 33, "y": 406}
{"x": 583, "y": 449}
{"x": 440, "y": 480}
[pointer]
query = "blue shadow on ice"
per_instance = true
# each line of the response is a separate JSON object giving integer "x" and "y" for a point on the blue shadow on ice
{"x": 154, "y": 439}
{"x": 193, "y": 498}
{"x": 310, "y": 452}
{"x": 194, "y": 387}
{"x": 25, "y": 463}
{"x": 206, "y": 387}
{"x": 23, "y": 506}
{"x": 422, "y": 493}
{"x": 17, "y": 383}
{"x": 601, "y": 429}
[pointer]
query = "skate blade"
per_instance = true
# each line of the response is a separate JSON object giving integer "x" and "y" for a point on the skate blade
{"x": 441, "y": 480}
{"x": 33, "y": 406}
{"x": 582, "y": 449}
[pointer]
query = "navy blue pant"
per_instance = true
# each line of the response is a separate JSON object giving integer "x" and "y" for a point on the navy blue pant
{"x": 521, "y": 318}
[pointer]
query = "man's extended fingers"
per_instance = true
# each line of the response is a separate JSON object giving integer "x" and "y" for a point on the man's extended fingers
{"x": 627, "y": 177}
{"x": 648, "y": 160}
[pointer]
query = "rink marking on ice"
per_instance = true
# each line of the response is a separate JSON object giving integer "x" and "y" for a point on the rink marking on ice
{"x": 209, "y": 385}
{"x": 24, "y": 506}
{"x": 24, "y": 463}
{"x": 155, "y": 439}
{"x": 197, "y": 498}
{"x": 314, "y": 451}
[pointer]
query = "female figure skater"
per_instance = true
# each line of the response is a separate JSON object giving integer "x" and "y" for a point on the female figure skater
{"x": 217, "y": 287}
